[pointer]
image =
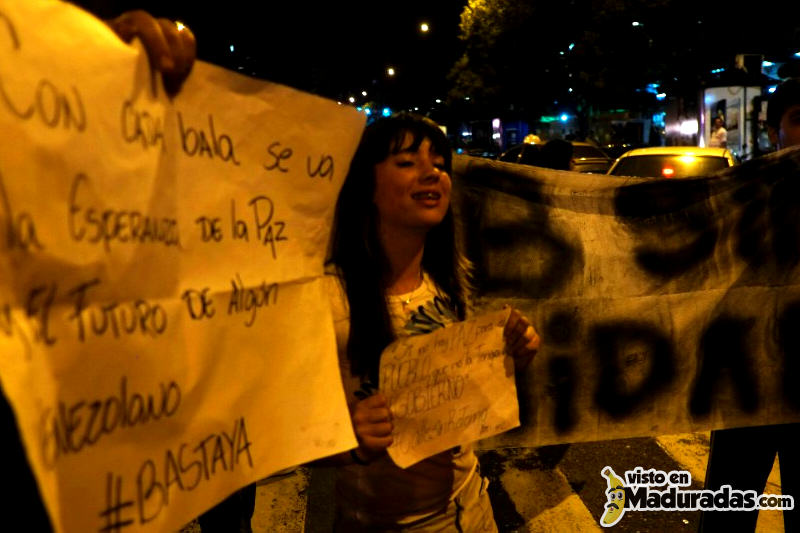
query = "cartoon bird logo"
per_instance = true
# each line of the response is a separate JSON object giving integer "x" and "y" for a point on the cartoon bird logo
{"x": 615, "y": 493}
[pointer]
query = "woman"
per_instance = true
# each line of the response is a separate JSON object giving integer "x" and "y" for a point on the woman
{"x": 397, "y": 270}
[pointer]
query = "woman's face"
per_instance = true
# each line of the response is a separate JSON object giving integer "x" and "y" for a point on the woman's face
{"x": 412, "y": 188}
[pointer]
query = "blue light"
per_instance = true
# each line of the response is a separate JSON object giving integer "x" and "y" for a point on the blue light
{"x": 571, "y": 46}
{"x": 771, "y": 90}
{"x": 231, "y": 48}
{"x": 661, "y": 96}
{"x": 797, "y": 54}
{"x": 564, "y": 117}
{"x": 717, "y": 70}
{"x": 386, "y": 112}
{"x": 767, "y": 63}
{"x": 652, "y": 88}
{"x": 367, "y": 111}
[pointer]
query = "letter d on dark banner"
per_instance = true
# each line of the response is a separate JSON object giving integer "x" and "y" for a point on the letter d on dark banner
{"x": 609, "y": 340}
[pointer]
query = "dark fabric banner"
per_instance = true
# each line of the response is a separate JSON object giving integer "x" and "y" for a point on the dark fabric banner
{"x": 664, "y": 306}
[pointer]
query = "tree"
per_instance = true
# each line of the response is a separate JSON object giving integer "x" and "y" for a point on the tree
{"x": 530, "y": 55}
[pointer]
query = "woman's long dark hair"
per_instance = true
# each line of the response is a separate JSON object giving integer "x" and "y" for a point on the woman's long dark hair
{"x": 357, "y": 252}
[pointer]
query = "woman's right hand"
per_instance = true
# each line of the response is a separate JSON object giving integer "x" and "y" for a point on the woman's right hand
{"x": 372, "y": 421}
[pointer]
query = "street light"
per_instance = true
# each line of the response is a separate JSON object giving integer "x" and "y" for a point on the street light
{"x": 390, "y": 71}
{"x": 424, "y": 27}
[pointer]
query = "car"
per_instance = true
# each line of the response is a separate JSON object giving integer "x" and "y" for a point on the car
{"x": 586, "y": 157}
{"x": 524, "y": 154}
{"x": 672, "y": 162}
{"x": 616, "y": 149}
{"x": 488, "y": 153}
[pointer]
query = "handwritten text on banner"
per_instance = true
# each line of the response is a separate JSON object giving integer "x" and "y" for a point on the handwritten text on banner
{"x": 165, "y": 337}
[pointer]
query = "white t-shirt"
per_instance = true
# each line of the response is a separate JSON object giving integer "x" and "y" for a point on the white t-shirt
{"x": 719, "y": 138}
{"x": 381, "y": 493}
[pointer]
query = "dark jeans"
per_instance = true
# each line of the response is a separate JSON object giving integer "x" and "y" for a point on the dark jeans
{"x": 231, "y": 515}
{"x": 743, "y": 458}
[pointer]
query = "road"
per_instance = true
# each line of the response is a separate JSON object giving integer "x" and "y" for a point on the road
{"x": 549, "y": 489}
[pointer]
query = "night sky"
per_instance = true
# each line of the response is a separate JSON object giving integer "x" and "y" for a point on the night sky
{"x": 339, "y": 49}
{"x": 331, "y": 48}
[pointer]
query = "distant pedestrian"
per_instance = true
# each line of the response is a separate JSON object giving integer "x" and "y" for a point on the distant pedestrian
{"x": 719, "y": 135}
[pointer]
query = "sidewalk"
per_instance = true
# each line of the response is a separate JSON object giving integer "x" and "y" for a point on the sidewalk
{"x": 281, "y": 505}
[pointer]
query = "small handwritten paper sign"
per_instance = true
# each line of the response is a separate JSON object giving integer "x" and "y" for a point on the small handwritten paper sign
{"x": 449, "y": 387}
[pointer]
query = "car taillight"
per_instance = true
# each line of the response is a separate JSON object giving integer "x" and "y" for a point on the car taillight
{"x": 667, "y": 172}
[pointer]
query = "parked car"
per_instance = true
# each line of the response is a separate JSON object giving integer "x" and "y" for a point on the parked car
{"x": 489, "y": 153}
{"x": 589, "y": 158}
{"x": 585, "y": 157}
{"x": 524, "y": 154}
{"x": 614, "y": 150}
{"x": 671, "y": 162}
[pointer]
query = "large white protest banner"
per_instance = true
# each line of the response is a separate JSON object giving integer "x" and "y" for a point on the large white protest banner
{"x": 164, "y": 333}
{"x": 664, "y": 306}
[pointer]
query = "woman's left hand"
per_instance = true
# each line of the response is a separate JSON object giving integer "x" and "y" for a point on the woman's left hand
{"x": 522, "y": 341}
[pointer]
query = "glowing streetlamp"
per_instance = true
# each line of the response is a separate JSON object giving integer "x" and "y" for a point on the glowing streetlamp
{"x": 424, "y": 27}
{"x": 390, "y": 71}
